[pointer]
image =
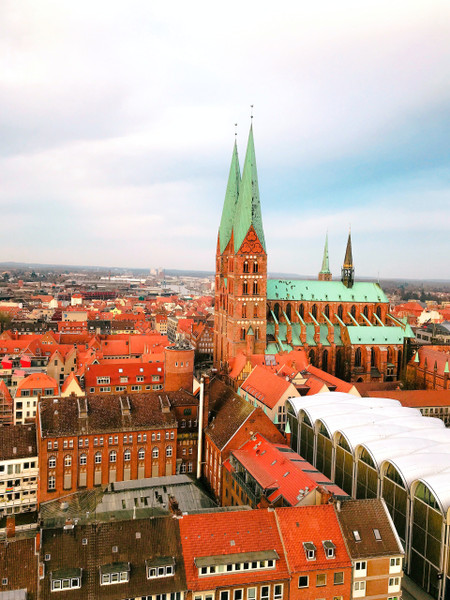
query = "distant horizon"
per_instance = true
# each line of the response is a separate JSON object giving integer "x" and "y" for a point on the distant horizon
{"x": 271, "y": 274}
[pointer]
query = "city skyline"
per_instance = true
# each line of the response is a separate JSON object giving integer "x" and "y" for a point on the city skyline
{"x": 117, "y": 130}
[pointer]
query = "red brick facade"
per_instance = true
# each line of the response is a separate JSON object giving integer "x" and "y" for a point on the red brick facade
{"x": 240, "y": 301}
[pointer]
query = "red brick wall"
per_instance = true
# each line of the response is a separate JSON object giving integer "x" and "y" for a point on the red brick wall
{"x": 179, "y": 369}
{"x": 91, "y": 449}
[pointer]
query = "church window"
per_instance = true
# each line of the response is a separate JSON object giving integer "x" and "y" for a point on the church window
{"x": 255, "y": 287}
{"x": 246, "y": 269}
{"x": 255, "y": 267}
{"x": 301, "y": 311}
{"x": 312, "y": 357}
{"x": 288, "y": 312}
{"x": 353, "y": 311}
{"x": 255, "y": 311}
{"x": 379, "y": 312}
{"x": 257, "y": 333}
{"x": 276, "y": 311}
{"x": 358, "y": 357}
{"x": 244, "y": 311}
{"x": 340, "y": 311}
{"x": 372, "y": 357}
{"x": 366, "y": 311}
{"x": 327, "y": 311}
{"x": 243, "y": 333}
{"x": 314, "y": 311}
{"x": 325, "y": 360}
{"x": 245, "y": 288}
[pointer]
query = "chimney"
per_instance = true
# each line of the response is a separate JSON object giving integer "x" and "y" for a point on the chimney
{"x": 10, "y": 526}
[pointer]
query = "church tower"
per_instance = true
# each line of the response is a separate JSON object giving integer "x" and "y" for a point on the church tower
{"x": 241, "y": 266}
{"x": 325, "y": 273}
{"x": 348, "y": 271}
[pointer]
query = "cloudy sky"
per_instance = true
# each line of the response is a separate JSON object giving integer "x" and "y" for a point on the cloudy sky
{"x": 117, "y": 126}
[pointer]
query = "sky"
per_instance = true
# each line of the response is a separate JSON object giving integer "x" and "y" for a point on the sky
{"x": 117, "y": 123}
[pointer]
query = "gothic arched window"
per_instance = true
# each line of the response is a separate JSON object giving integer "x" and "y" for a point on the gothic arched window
{"x": 255, "y": 267}
{"x": 358, "y": 357}
{"x": 246, "y": 269}
{"x": 255, "y": 287}
{"x": 245, "y": 288}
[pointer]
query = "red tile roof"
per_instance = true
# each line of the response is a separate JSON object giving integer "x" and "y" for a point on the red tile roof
{"x": 314, "y": 524}
{"x": 415, "y": 398}
{"x": 265, "y": 386}
{"x": 226, "y": 533}
{"x": 38, "y": 381}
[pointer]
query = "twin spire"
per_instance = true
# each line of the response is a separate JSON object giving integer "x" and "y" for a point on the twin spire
{"x": 348, "y": 270}
{"x": 242, "y": 208}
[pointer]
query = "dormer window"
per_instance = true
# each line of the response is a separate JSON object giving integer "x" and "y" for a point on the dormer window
{"x": 163, "y": 566}
{"x": 330, "y": 549}
{"x": 65, "y": 579}
{"x": 114, "y": 573}
{"x": 356, "y": 535}
{"x": 310, "y": 550}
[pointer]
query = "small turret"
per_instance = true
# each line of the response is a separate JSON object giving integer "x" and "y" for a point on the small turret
{"x": 348, "y": 271}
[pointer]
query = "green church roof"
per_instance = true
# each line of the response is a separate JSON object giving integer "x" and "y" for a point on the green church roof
{"x": 248, "y": 209}
{"x": 231, "y": 198}
{"x": 324, "y": 291}
{"x": 375, "y": 335}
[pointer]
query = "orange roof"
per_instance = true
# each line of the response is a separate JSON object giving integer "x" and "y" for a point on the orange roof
{"x": 38, "y": 381}
{"x": 315, "y": 524}
{"x": 237, "y": 532}
{"x": 341, "y": 386}
{"x": 416, "y": 398}
{"x": 71, "y": 377}
{"x": 265, "y": 386}
{"x": 438, "y": 355}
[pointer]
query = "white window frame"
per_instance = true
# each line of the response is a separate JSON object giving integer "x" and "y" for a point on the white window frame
{"x": 362, "y": 570}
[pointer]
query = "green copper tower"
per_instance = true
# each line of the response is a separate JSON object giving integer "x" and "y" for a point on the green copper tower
{"x": 325, "y": 273}
{"x": 248, "y": 209}
{"x": 230, "y": 203}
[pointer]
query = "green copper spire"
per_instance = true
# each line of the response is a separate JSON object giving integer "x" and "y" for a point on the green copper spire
{"x": 325, "y": 270}
{"x": 416, "y": 358}
{"x": 287, "y": 429}
{"x": 231, "y": 198}
{"x": 248, "y": 210}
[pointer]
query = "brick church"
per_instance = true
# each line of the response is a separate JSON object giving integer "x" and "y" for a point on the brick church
{"x": 344, "y": 326}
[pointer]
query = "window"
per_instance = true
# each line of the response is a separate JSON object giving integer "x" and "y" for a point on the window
{"x": 141, "y": 454}
{"x": 321, "y": 579}
{"x": 377, "y": 534}
{"x": 98, "y": 458}
{"x": 101, "y": 380}
{"x": 140, "y": 379}
{"x": 278, "y": 591}
{"x": 359, "y": 589}
{"x": 52, "y": 462}
{"x": 112, "y": 456}
{"x": 136, "y": 388}
{"x": 395, "y": 565}
{"x": 360, "y": 568}
{"x": 160, "y": 571}
{"x": 244, "y": 288}
{"x": 65, "y": 584}
{"x": 394, "y": 584}
{"x": 169, "y": 451}
{"x": 68, "y": 461}
{"x": 238, "y": 594}
{"x": 51, "y": 483}
{"x": 155, "y": 453}
{"x": 111, "y": 578}
{"x": 127, "y": 456}
{"x": 339, "y": 578}
{"x": 251, "y": 593}
{"x": 83, "y": 459}
{"x": 329, "y": 548}
{"x": 255, "y": 287}
{"x": 310, "y": 550}
{"x": 224, "y": 595}
{"x": 356, "y": 535}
